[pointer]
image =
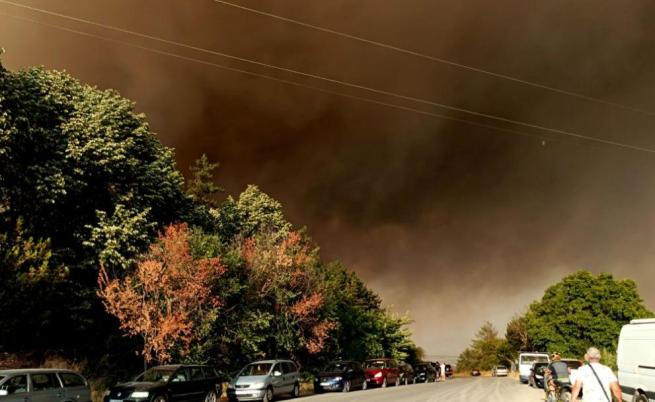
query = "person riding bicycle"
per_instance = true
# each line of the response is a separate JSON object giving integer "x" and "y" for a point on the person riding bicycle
{"x": 557, "y": 371}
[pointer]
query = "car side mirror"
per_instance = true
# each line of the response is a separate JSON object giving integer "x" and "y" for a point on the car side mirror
{"x": 277, "y": 373}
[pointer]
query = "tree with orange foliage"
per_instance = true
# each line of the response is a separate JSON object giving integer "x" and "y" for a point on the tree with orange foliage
{"x": 168, "y": 299}
{"x": 282, "y": 272}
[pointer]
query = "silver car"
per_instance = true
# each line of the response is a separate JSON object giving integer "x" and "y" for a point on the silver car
{"x": 500, "y": 371}
{"x": 43, "y": 385}
{"x": 264, "y": 380}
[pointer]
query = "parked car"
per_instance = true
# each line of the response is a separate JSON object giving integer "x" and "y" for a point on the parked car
{"x": 536, "y": 377}
{"x": 526, "y": 360}
{"x": 264, "y": 380}
{"x": 382, "y": 372}
{"x": 475, "y": 373}
{"x": 448, "y": 371}
{"x": 425, "y": 372}
{"x": 43, "y": 385}
{"x": 406, "y": 373}
{"x": 169, "y": 383}
{"x": 500, "y": 371}
{"x": 340, "y": 376}
{"x": 636, "y": 360}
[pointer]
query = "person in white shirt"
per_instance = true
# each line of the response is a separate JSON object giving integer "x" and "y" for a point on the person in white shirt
{"x": 598, "y": 382}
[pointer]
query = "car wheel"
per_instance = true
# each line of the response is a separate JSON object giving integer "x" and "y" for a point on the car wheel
{"x": 160, "y": 398}
{"x": 640, "y": 398}
{"x": 268, "y": 395}
{"x": 210, "y": 397}
{"x": 346, "y": 386}
{"x": 296, "y": 390}
{"x": 384, "y": 382}
{"x": 364, "y": 385}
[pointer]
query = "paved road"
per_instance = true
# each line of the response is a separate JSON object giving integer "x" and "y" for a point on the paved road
{"x": 487, "y": 389}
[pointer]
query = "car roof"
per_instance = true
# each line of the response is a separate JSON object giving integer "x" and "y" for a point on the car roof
{"x": 381, "y": 358}
{"x": 272, "y": 361}
{"x": 35, "y": 370}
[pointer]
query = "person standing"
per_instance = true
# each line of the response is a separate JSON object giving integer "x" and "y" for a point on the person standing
{"x": 597, "y": 381}
{"x": 443, "y": 371}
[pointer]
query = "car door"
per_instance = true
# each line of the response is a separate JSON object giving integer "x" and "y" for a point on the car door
{"x": 179, "y": 387}
{"x": 45, "y": 387}
{"x": 292, "y": 373}
{"x": 197, "y": 386}
{"x": 17, "y": 389}
{"x": 75, "y": 387}
{"x": 277, "y": 379}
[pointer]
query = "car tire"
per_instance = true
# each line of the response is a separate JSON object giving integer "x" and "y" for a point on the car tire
{"x": 295, "y": 393}
{"x": 346, "y": 386}
{"x": 640, "y": 398}
{"x": 211, "y": 397}
{"x": 159, "y": 398}
{"x": 384, "y": 382}
{"x": 268, "y": 395}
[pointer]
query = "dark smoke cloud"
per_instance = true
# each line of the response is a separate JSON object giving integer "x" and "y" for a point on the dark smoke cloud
{"x": 451, "y": 223}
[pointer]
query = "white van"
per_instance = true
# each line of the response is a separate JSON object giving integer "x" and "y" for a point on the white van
{"x": 636, "y": 360}
{"x": 526, "y": 360}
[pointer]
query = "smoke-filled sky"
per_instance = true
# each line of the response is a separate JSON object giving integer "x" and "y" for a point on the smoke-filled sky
{"x": 451, "y": 223}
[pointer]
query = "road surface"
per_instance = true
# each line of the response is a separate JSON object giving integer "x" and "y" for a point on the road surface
{"x": 487, "y": 389}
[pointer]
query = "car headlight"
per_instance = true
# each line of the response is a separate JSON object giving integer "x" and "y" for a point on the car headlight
{"x": 337, "y": 378}
{"x": 378, "y": 375}
{"x": 139, "y": 394}
{"x": 258, "y": 385}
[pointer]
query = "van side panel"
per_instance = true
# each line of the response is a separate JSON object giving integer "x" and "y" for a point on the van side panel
{"x": 636, "y": 359}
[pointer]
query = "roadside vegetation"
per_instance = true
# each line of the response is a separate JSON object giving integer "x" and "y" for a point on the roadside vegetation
{"x": 580, "y": 311}
{"x": 110, "y": 258}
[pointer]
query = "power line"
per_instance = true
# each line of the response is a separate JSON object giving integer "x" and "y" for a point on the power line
{"x": 436, "y": 59}
{"x": 272, "y": 78}
{"x": 289, "y": 82}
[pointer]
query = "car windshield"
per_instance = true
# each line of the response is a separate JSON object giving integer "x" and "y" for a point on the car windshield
{"x": 337, "y": 367}
{"x": 375, "y": 364}
{"x": 530, "y": 359}
{"x": 156, "y": 375}
{"x": 256, "y": 369}
{"x": 573, "y": 364}
{"x": 501, "y": 368}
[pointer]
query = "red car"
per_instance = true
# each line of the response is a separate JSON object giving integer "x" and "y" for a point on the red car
{"x": 382, "y": 372}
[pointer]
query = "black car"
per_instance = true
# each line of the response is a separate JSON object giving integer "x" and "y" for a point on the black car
{"x": 425, "y": 372}
{"x": 173, "y": 383}
{"x": 437, "y": 367}
{"x": 340, "y": 376}
{"x": 536, "y": 378}
{"x": 406, "y": 374}
{"x": 448, "y": 370}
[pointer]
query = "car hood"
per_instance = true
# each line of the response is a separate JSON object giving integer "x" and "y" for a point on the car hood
{"x": 250, "y": 379}
{"x": 332, "y": 374}
{"x": 128, "y": 387}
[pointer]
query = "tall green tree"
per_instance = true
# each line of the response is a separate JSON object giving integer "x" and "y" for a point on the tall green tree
{"x": 80, "y": 168}
{"x": 201, "y": 185}
{"x": 583, "y": 310}
{"x": 486, "y": 350}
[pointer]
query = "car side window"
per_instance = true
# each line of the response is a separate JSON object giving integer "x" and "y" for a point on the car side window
{"x": 291, "y": 367}
{"x": 72, "y": 380}
{"x": 44, "y": 381}
{"x": 278, "y": 368}
{"x": 210, "y": 372}
{"x": 15, "y": 385}
{"x": 196, "y": 373}
{"x": 181, "y": 375}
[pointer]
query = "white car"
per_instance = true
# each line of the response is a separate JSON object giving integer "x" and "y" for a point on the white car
{"x": 526, "y": 360}
{"x": 500, "y": 371}
{"x": 636, "y": 360}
